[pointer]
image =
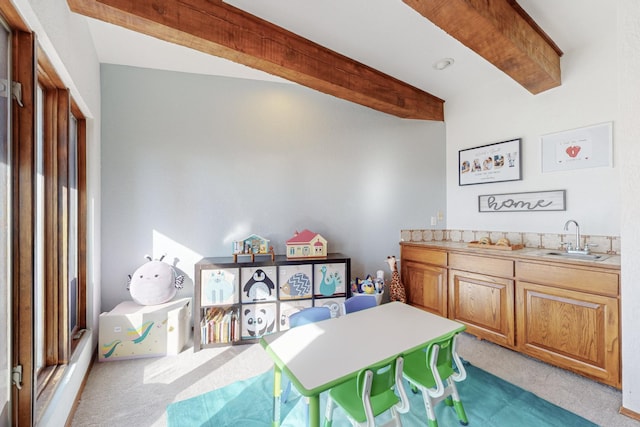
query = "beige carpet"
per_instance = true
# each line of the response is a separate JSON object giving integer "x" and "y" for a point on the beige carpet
{"x": 137, "y": 392}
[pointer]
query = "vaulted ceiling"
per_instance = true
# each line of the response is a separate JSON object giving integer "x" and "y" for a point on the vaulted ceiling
{"x": 498, "y": 32}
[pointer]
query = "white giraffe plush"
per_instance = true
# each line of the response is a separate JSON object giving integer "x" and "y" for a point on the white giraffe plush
{"x": 396, "y": 290}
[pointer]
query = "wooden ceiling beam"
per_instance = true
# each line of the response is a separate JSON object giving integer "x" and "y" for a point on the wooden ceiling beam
{"x": 502, "y": 33}
{"x": 216, "y": 28}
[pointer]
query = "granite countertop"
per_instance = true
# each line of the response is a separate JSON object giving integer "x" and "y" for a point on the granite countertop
{"x": 529, "y": 254}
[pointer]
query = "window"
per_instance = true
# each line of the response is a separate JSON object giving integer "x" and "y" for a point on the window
{"x": 59, "y": 310}
{"x": 59, "y": 292}
{"x": 43, "y": 207}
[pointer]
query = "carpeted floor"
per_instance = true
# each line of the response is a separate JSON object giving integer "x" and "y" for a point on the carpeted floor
{"x": 488, "y": 402}
{"x": 137, "y": 392}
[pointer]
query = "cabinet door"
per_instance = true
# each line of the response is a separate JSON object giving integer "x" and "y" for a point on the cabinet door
{"x": 484, "y": 304}
{"x": 426, "y": 286}
{"x": 574, "y": 330}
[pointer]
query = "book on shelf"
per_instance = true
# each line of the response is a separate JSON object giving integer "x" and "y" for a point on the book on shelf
{"x": 219, "y": 325}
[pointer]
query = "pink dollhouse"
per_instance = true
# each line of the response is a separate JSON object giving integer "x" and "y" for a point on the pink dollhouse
{"x": 306, "y": 244}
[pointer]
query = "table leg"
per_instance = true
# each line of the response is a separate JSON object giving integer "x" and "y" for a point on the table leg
{"x": 277, "y": 391}
{"x": 314, "y": 411}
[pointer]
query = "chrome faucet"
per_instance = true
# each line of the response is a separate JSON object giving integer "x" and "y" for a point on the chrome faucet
{"x": 577, "y": 249}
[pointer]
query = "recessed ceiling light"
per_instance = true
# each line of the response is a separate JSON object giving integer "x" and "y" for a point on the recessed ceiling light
{"x": 443, "y": 63}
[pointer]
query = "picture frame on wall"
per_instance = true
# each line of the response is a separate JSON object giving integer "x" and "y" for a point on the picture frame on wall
{"x": 497, "y": 162}
{"x": 585, "y": 147}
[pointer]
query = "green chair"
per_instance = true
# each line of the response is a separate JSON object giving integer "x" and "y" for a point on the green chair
{"x": 375, "y": 390}
{"x": 434, "y": 370}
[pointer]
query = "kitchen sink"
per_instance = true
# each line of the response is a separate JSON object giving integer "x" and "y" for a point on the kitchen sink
{"x": 585, "y": 257}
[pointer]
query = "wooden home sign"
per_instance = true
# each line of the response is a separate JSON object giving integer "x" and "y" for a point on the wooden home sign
{"x": 523, "y": 202}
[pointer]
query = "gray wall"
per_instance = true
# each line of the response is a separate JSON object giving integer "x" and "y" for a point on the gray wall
{"x": 192, "y": 162}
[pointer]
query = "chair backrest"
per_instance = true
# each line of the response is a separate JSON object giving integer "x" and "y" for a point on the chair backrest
{"x": 432, "y": 365}
{"x": 382, "y": 383}
{"x": 360, "y": 302}
{"x": 442, "y": 355}
{"x": 309, "y": 315}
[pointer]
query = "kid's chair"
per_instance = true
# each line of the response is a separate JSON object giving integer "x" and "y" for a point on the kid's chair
{"x": 429, "y": 369}
{"x": 370, "y": 394}
{"x": 302, "y": 317}
{"x": 359, "y": 302}
{"x": 309, "y": 315}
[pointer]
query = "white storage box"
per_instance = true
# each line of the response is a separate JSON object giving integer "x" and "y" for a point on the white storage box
{"x": 131, "y": 330}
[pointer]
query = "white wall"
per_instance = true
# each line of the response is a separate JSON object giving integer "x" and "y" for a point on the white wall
{"x": 628, "y": 70}
{"x": 192, "y": 162}
{"x": 503, "y": 110}
{"x": 66, "y": 40}
{"x": 599, "y": 84}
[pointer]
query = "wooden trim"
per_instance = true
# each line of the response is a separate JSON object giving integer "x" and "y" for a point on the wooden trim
{"x": 629, "y": 413}
{"x": 216, "y": 28}
{"x": 82, "y": 219}
{"x": 23, "y": 140}
{"x": 63, "y": 110}
{"x": 47, "y": 72}
{"x": 50, "y": 241}
{"x": 12, "y": 17}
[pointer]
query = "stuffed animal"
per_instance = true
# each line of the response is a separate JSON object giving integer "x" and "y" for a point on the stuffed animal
{"x": 396, "y": 289}
{"x": 154, "y": 282}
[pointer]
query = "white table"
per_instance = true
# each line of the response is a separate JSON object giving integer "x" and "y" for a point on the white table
{"x": 321, "y": 355}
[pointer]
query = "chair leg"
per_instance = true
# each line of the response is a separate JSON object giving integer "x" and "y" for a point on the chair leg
{"x": 328, "y": 414}
{"x": 395, "y": 416}
{"x": 286, "y": 392}
{"x": 429, "y": 407}
{"x": 448, "y": 401}
{"x": 457, "y": 405}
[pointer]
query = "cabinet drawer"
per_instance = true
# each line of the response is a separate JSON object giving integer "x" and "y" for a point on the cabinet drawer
{"x": 576, "y": 278}
{"x": 424, "y": 255}
{"x": 482, "y": 264}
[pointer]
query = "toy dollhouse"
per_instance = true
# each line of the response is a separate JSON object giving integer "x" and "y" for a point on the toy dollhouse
{"x": 306, "y": 244}
{"x": 252, "y": 245}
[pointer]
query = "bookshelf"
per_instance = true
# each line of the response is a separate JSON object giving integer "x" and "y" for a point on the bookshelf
{"x": 238, "y": 302}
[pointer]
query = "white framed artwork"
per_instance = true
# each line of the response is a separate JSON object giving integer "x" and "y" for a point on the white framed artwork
{"x": 586, "y": 147}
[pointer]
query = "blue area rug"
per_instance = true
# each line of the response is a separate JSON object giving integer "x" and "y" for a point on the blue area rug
{"x": 488, "y": 401}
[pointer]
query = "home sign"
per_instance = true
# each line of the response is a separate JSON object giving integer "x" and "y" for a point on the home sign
{"x": 523, "y": 202}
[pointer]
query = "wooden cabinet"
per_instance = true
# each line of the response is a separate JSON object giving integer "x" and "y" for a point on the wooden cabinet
{"x": 238, "y": 302}
{"x": 426, "y": 286}
{"x": 564, "y": 313}
{"x": 424, "y": 275}
{"x": 569, "y": 317}
{"x": 483, "y": 302}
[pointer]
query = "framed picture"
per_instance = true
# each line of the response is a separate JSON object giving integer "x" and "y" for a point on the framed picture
{"x": 587, "y": 147}
{"x": 490, "y": 163}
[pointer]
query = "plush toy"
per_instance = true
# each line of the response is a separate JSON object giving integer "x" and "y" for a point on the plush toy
{"x": 154, "y": 282}
{"x": 396, "y": 290}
